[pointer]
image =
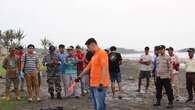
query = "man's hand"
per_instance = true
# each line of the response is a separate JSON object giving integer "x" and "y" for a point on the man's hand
{"x": 77, "y": 80}
{"x": 101, "y": 87}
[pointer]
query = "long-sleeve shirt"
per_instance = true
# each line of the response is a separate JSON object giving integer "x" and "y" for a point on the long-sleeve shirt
{"x": 163, "y": 66}
{"x": 48, "y": 60}
{"x": 190, "y": 65}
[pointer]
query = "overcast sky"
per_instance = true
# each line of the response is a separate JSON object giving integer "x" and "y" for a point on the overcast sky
{"x": 125, "y": 23}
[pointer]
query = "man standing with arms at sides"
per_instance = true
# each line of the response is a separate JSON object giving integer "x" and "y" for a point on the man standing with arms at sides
{"x": 62, "y": 56}
{"x": 115, "y": 60}
{"x": 164, "y": 78}
{"x": 99, "y": 74}
{"x": 190, "y": 74}
{"x": 154, "y": 62}
{"x": 175, "y": 71}
{"x": 145, "y": 69}
{"x": 31, "y": 67}
{"x": 20, "y": 54}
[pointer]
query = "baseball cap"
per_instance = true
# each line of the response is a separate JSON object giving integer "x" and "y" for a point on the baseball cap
{"x": 162, "y": 47}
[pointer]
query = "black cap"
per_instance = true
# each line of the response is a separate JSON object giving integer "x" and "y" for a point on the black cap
{"x": 170, "y": 49}
{"x": 162, "y": 47}
{"x": 190, "y": 50}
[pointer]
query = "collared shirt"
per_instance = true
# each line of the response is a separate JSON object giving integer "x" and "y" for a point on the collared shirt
{"x": 190, "y": 65}
{"x": 62, "y": 57}
{"x": 163, "y": 66}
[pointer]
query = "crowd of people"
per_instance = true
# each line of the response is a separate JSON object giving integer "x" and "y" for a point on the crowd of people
{"x": 78, "y": 72}
{"x": 165, "y": 69}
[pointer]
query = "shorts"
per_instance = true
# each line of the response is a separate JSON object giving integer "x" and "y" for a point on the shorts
{"x": 145, "y": 74}
{"x": 115, "y": 77}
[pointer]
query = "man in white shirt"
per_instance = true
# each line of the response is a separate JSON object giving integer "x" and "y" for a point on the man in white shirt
{"x": 174, "y": 60}
{"x": 190, "y": 74}
{"x": 145, "y": 69}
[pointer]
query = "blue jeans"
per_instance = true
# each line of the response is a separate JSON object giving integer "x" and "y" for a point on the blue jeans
{"x": 99, "y": 98}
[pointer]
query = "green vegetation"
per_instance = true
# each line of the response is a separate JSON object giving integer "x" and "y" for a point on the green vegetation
{"x": 10, "y": 105}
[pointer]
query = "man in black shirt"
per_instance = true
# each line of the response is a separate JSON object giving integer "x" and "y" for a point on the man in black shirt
{"x": 115, "y": 60}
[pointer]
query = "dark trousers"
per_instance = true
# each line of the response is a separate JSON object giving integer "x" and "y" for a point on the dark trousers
{"x": 166, "y": 83}
{"x": 190, "y": 84}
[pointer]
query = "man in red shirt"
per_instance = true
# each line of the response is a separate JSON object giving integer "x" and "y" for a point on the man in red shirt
{"x": 19, "y": 55}
{"x": 80, "y": 66}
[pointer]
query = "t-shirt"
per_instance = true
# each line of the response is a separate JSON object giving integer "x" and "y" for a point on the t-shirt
{"x": 88, "y": 56}
{"x": 146, "y": 58}
{"x": 71, "y": 65}
{"x": 30, "y": 63}
{"x": 80, "y": 64}
{"x": 98, "y": 61}
{"x": 11, "y": 65}
{"x": 114, "y": 62}
{"x": 190, "y": 65}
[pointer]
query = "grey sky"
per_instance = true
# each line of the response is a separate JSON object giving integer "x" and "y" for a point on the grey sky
{"x": 125, "y": 23}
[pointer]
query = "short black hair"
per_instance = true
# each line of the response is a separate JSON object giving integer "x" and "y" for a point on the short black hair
{"x": 78, "y": 47}
{"x": 30, "y": 46}
{"x": 19, "y": 48}
{"x": 90, "y": 40}
{"x": 52, "y": 48}
{"x": 61, "y": 46}
{"x": 156, "y": 48}
{"x": 147, "y": 48}
{"x": 113, "y": 48}
{"x": 72, "y": 47}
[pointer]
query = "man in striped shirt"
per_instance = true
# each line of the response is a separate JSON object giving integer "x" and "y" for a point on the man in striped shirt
{"x": 30, "y": 65}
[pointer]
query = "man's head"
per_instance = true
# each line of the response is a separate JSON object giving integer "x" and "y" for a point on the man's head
{"x": 92, "y": 45}
{"x": 147, "y": 50}
{"x": 78, "y": 48}
{"x": 162, "y": 49}
{"x": 12, "y": 51}
{"x": 70, "y": 50}
{"x": 170, "y": 51}
{"x": 113, "y": 48}
{"x": 61, "y": 48}
{"x": 52, "y": 49}
{"x": 156, "y": 50}
{"x": 31, "y": 48}
{"x": 19, "y": 49}
{"x": 191, "y": 52}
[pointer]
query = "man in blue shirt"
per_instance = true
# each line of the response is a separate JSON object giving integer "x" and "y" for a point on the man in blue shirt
{"x": 62, "y": 57}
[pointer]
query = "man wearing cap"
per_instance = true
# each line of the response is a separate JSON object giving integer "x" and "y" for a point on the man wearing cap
{"x": 154, "y": 62}
{"x": 145, "y": 69}
{"x": 175, "y": 71}
{"x": 164, "y": 78}
{"x": 190, "y": 74}
{"x": 52, "y": 62}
